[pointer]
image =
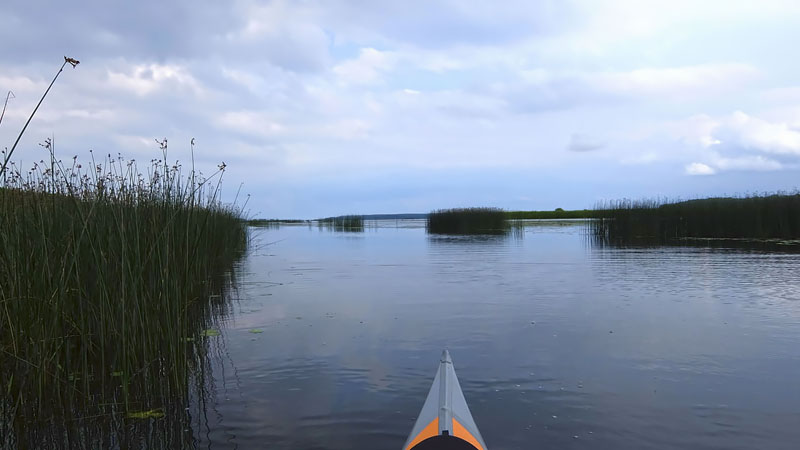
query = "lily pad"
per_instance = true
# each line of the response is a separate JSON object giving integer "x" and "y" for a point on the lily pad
{"x": 256, "y": 330}
{"x": 118, "y": 373}
{"x": 211, "y": 332}
{"x": 151, "y": 414}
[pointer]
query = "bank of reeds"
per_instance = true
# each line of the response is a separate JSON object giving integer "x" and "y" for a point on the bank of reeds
{"x": 774, "y": 216}
{"x": 270, "y": 222}
{"x": 467, "y": 221}
{"x": 349, "y": 223}
{"x": 109, "y": 278}
{"x": 555, "y": 214}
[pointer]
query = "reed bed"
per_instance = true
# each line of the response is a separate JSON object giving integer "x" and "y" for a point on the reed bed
{"x": 558, "y": 213}
{"x": 467, "y": 221}
{"x": 775, "y": 217}
{"x": 269, "y": 222}
{"x": 110, "y": 278}
{"x": 349, "y": 223}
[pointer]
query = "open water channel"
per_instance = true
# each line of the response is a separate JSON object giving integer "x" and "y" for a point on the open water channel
{"x": 558, "y": 343}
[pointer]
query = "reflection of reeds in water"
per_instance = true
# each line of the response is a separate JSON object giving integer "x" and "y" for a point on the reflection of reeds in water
{"x": 343, "y": 223}
{"x": 276, "y": 223}
{"x": 108, "y": 279}
{"x": 772, "y": 217}
{"x": 467, "y": 221}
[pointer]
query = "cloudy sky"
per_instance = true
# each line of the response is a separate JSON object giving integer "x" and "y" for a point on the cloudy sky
{"x": 359, "y": 106}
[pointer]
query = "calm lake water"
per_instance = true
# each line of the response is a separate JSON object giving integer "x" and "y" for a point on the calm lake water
{"x": 557, "y": 344}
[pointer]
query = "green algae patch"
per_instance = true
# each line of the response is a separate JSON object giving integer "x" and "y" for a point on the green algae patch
{"x": 150, "y": 414}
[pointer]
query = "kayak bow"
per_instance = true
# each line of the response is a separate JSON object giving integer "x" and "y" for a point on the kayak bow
{"x": 445, "y": 421}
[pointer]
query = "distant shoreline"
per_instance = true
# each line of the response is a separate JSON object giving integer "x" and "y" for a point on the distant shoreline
{"x": 511, "y": 215}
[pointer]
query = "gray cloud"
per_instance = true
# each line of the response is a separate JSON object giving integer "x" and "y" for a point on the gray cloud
{"x": 98, "y": 28}
{"x": 288, "y": 91}
{"x": 580, "y": 142}
{"x": 449, "y": 23}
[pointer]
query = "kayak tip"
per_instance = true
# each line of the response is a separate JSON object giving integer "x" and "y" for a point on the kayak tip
{"x": 446, "y": 357}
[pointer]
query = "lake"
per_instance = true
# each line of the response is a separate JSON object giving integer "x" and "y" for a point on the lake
{"x": 558, "y": 343}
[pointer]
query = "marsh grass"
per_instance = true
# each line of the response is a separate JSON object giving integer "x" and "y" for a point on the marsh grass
{"x": 765, "y": 217}
{"x": 108, "y": 277}
{"x": 556, "y": 214}
{"x": 276, "y": 222}
{"x": 349, "y": 223}
{"x": 467, "y": 221}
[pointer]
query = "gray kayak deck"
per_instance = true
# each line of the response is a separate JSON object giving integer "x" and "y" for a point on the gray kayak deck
{"x": 445, "y": 412}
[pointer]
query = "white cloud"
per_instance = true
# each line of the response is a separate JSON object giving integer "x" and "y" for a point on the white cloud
{"x": 699, "y": 169}
{"x": 747, "y": 163}
{"x": 347, "y": 129}
{"x": 145, "y": 79}
{"x": 770, "y": 137}
{"x": 249, "y": 80}
{"x": 686, "y": 81}
{"x": 541, "y": 89}
{"x": 739, "y": 141}
{"x": 718, "y": 163}
{"x": 287, "y": 34}
{"x": 20, "y": 84}
{"x": 254, "y": 123}
{"x": 367, "y": 68}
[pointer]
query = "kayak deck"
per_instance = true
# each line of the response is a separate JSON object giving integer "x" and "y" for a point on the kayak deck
{"x": 445, "y": 421}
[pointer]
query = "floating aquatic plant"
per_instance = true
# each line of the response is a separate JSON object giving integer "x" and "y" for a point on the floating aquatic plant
{"x": 149, "y": 414}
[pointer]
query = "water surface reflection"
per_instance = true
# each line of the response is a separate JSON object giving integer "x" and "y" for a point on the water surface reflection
{"x": 558, "y": 343}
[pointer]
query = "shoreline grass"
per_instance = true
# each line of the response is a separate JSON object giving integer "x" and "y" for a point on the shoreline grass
{"x": 108, "y": 277}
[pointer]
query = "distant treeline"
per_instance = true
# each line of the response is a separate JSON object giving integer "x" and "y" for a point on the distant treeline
{"x": 774, "y": 216}
{"x": 558, "y": 213}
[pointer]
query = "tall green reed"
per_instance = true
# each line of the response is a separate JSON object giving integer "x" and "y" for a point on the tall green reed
{"x": 350, "y": 223}
{"x": 467, "y": 221}
{"x": 773, "y": 216}
{"x": 109, "y": 275}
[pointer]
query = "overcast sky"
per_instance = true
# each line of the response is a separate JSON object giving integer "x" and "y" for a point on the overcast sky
{"x": 332, "y": 107}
